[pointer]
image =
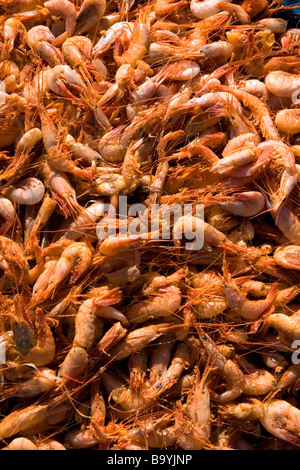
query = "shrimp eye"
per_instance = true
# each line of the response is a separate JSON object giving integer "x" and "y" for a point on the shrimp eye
{"x": 3, "y": 181}
{"x": 215, "y": 193}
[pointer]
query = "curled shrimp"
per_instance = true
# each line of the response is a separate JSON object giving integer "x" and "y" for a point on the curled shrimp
{"x": 138, "y": 46}
{"x": 66, "y": 10}
{"x": 29, "y": 192}
{"x": 62, "y": 79}
{"x": 20, "y": 443}
{"x": 122, "y": 28}
{"x": 206, "y": 8}
{"x": 282, "y": 420}
{"x": 62, "y": 191}
{"x": 282, "y": 84}
{"x": 288, "y": 256}
{"x": 288, "y": 121}
{"x": 74, "y": 261}
{"x": 164, "y": 301}
{"x": 237, "y": 300}
{"x": 233, "y": 375}
{"x": 287, "y": 325}
{"x": 138, "y": 339}
{"x": 8, "y": 214}
{"x": 245, "y": 204}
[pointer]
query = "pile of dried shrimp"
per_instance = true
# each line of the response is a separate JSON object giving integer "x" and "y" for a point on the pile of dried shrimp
{"x": 114, "y": 340}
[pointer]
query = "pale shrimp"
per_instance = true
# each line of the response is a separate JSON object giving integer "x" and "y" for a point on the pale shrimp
{"x": 114, "y": 144}
{"x": 138, "y": 339}
{"x": 49, "y": 444}
{"x": 181, "y": 70}
{"x": 123, "y": 79}
{"x": 122, "y": 28}
{"x": 273, "y": 359}
{"x": 154, "y": 435}
{"x": 205, "y": 8}
{"x": 238, "y": 302}
{"x": 50, "y": 54}
{"x": 43, "y": 381}
{"x": 237, "y": 11}
{"x": 86, "y": 221}
{"x": 8, "y": 214}
{"x": 285, "y": 63}
{"x": 239, "y": 142}
{"x": 66, "y": 10}
{"x": 282, "y": 84}
{"x": 43, "y": 279}
{"x": 246, "y": 204}
{"x": 275, "y": 25}
{"x": 288, "y": 380}
{"x": 20, "y": 443}
{"x": 36, "y": 88}
{"x": 82, "y": 152}
{"x": 29, "y": 192}
{"x": 288, "y": 121}
{"x": 115, "y": 245}
{"x": 193, "y": 421}
{"x": 206, "y": 305}
{"x": 138, "y": 47}
{"x": 254, "y": 87}
{"x": 62, "y": 80}
{"x": 33, "y": 17}
{"x": 166, "y": 301}
{"x": 288, "y": 256}
{"x": 77, "y": 51}
{"x": 288, "y": 325}
{"x": 218, "y": 52}
{"x": 259, "y": 382}
{"x": 62, "y": 191}
{"x": 38, "y": 34}
{"x": 237, "y": 159}
{"x": 166, "y": 7}
{"x": 194, "y": 226}
{"x": 160, "y": 358}
{"x": 233, "y": 375}
{"x": 86, "y": 316}
{"x": 89, "y": 15}
{"x": 72, "y": 264}
{"x": 219, "y": 98}
{"x": 282, "y": 420}
{"x": 129, "y": 399}
{"x": 12, "y": 259}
